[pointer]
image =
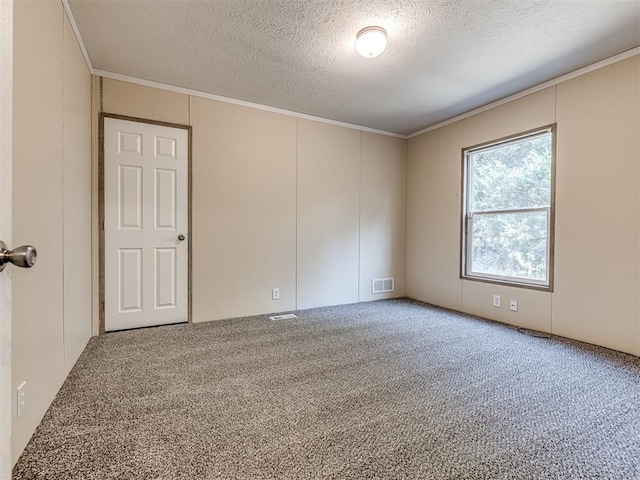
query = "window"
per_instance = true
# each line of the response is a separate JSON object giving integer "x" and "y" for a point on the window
{"x": 508, "y": 210}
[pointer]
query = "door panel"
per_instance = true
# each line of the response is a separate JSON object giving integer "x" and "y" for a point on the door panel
{"x": 145, "y": 206}
{"x": 130, "y": 281}
{"x": 165, "y": 267}
{"x": 165, "y": 199}
{"x": 130, "y": 197}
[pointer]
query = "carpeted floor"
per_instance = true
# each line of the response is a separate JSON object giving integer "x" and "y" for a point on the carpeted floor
{"x": 384, "y": 390}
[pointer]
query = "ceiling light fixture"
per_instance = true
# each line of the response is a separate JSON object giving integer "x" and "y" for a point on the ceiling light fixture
{"x": 371, "y": 41}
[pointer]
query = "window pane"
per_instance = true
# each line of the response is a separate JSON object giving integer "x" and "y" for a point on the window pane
{"x": 513, "y": 175}
{"x": 510, "y": 245}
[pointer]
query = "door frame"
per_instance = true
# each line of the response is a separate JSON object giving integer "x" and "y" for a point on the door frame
{"x": 101, "y": 205}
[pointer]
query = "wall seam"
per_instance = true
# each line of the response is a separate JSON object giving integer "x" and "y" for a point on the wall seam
{"x": 555, "y": 103}
{"x": 464, "y": 142}
{"x": 297, "y": 212}
{"x": 406, "y": 215}
{"x": 95, "y": 216}
{"x": 638, "y": 163}
{"x": 62, "y": 270}
{"x": 360, "y": 221}
{"x": 360, "y": 218}
{"x": 555, "y": 117}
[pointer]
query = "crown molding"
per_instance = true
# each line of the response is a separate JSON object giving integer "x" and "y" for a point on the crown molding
{"x": 74, "y": 26}
{"x": 551, "y": 83}
{"x": 219, "y": 98}
{"x": 242, "y": 103}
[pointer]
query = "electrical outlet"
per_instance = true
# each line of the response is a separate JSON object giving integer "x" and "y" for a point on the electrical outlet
{"x": 496, "y": 301}
{"x": 22, "y": 398}
{"x": 275, "y": 294}
{"x": 513, "y": 306}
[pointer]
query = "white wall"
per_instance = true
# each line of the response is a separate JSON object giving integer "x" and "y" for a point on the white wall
{"x": 597, "y": 270}
{"x": 51, "y": 199}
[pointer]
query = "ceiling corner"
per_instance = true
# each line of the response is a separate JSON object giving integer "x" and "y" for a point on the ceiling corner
{"x": 74, "y": 26}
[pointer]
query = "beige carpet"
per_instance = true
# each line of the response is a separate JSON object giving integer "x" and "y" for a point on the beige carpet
{"x": 387, "y": 390}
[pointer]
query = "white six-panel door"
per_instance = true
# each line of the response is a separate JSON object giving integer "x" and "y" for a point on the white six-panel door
{"x": 145, "y": 213}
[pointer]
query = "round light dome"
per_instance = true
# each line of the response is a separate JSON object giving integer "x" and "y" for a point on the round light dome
{"x": 371, "y": 41}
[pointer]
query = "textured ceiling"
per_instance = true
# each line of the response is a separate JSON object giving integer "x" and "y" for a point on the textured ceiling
{"x": 445, "y": 57}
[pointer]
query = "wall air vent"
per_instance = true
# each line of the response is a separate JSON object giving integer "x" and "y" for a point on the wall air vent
{"x": 382, "y": 285}
{"x": 286, "y": 316}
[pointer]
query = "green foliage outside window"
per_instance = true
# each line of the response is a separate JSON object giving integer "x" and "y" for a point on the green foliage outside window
{"x": 509, "y": 200}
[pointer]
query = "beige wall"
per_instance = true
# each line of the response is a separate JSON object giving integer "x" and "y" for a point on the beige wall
{"x": 433, "y": 217}
{"x": 76, "y": 205}
{"x": 51, "y": 193}
{"x": 244, "y": 215}
{"x": 328, "y": 214}
{"x": 597, "y": 268}
{"x": 315, "y": 210}
{"x": 383, "y": 180}
{"x": 597, "y": 219}
{"x": 144, "y": 102}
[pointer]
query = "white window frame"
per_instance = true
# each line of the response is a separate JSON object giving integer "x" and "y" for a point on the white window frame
{"x": 468, "y": 215}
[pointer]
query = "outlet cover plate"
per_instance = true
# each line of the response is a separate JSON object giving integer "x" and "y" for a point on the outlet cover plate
{"x": 513, "y": 305}
{"x": 496, "y": 301}
{"x": 22, "y": 398}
